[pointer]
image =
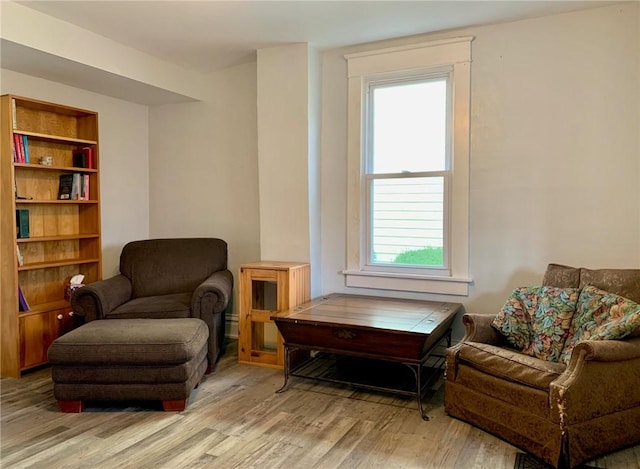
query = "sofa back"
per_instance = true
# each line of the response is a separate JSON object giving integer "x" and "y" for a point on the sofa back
{"x": 623, "y": 282}
{"x": 165, "y": 266}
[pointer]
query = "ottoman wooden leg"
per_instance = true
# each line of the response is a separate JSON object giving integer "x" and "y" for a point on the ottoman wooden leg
{"x": 71, "y": 406}
{"x": 176, "y": 405}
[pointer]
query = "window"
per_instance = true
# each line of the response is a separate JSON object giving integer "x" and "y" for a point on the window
{"x": 407, "y": 171}
{"x": 408, "y": 191}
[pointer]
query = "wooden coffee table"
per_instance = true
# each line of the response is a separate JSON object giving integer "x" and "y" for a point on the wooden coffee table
{"x": 371, "y": 328}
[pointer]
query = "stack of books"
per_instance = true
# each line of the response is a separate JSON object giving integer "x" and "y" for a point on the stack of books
{"x": 20, "y": 149}
{"x": 83, "y": 158}
{"x": 74, "y": 186}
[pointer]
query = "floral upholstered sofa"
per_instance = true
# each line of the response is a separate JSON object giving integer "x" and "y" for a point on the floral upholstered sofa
{"x": 557, "y": 371}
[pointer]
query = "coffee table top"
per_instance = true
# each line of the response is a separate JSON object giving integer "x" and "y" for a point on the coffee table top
{"x": 372, "y": 312}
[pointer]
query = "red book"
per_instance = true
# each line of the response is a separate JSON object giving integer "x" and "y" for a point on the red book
{"x": 17, "y": 142}
{"x": 88, "y": 153}
{"x": 83, "y": 158}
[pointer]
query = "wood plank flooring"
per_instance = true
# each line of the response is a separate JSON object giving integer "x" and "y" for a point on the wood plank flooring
{"x": 236, "y": 420}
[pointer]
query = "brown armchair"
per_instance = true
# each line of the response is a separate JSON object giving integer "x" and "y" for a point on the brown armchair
{"x": 564, "y": 415}
{"x": 165, "y": 278}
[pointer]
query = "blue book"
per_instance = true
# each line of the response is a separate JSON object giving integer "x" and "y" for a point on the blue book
{"x": 26, "y": 149}
{"x": 23, "y": 305}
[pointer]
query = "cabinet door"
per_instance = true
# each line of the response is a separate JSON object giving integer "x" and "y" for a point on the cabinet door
{"x": 38, "y": 331}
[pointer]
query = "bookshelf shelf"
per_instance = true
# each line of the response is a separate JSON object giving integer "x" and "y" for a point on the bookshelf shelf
{"x": 56, "y": 201}
{"x": 44, "y": 307}
{"x": 55, "y": 138}
{"x": 51, "y": 264}
{"x": 39, "y": 239}
{"x": 63, "y": 169}
{"x": 55, "y": 239}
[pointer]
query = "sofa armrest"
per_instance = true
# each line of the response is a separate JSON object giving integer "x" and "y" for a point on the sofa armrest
{"x": 478, "y": 329}
{"x": 610, "y": 366}
{"x": 97, "y": 299}
{"x": 606, "y": 351}
{"x": 213, "y": 295}
{"x": 209, "y": 303}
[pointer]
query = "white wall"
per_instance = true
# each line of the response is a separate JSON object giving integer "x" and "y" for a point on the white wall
{"x": 204, "y": 169}
{"x": 124, "y": 158}
{"x": 555, "y": 151}
{"x": 283, "y": 152}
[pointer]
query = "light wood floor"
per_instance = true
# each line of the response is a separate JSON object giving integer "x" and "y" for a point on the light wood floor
{"x": 235, "y": 419}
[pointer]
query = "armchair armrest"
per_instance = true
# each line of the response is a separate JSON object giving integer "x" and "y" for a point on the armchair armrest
{"x": 478, "y": 329}
{"x": 612, "y": 367}
{"x": 97, "y": 299}
{"x": 213, "y": 295}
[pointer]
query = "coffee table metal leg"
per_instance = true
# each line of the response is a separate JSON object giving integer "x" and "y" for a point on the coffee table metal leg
{"x": 417, "y": 373}
{"x": 419, "y": 391}
{"x": 286, "y": 370}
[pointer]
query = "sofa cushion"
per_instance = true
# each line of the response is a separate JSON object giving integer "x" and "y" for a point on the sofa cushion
{"x": 561, "y": 276}
{"x": 154, "y": 307}
{"x": 510, "y": 365}
{"x": 601, "y": 315}
{"x": 513, "y": 320}
{"x": 550, "y": 322}
{"x": 536, "y": 320}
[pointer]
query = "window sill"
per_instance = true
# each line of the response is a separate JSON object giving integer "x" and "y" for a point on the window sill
{"x": 407, "y": 282}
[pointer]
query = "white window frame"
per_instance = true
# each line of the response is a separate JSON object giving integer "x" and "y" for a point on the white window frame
{"x": 416, "y": 59}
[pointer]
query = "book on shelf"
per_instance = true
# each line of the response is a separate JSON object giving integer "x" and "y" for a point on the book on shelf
{"x": 23, "y": 305}
{"x": 83, "y": 158}
{"x": 22, "y": 223}
{"x": 65, "y": 187}
{"x": 74, "y": 186}
{"x": 25, "y": 149}
{"x": 19, "y": 256}
{"x": 19, "y": 147}
{"x": 84, "y": 192}
{"x": 14, "y": 116}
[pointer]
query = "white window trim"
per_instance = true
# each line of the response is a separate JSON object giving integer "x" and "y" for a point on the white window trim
{"x": 455, "y": 52}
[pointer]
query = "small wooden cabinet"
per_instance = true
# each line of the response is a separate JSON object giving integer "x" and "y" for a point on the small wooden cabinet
{"x": 64, "y": 236}
{"x": 268, "y": 287}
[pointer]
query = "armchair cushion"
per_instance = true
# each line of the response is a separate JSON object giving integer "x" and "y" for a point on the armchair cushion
{"x": 154, "y": 307}
{"x": 536, "y": 320}
{"x": 601, "y": 316}
{"x": 510, "y": 365}
{"x": 513, "y": 320}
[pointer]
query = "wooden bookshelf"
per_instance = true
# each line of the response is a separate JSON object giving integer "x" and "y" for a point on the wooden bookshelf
{"x": 64, "y": 235}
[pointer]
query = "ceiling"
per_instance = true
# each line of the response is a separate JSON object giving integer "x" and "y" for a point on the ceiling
{"x": 206, "y": 36}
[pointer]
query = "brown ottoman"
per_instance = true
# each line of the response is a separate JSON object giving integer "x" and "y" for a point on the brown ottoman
{"x": 129, "y": 360}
